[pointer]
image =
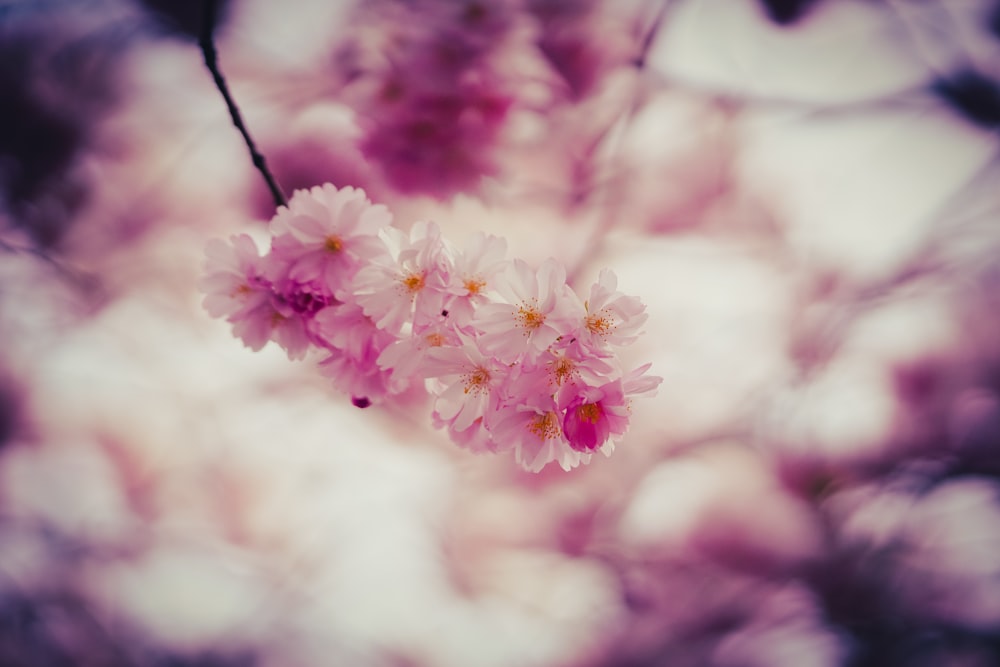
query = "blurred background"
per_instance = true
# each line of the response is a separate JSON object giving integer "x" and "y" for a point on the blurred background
{"x": 805, "y": 193}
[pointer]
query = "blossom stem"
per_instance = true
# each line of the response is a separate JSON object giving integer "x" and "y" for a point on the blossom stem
{"x": 210, "y": 54}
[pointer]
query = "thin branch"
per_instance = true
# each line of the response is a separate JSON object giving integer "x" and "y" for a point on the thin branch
{"x": 207, "y": 44}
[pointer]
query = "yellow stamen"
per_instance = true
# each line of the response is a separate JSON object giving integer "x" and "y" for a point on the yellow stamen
{"x": 601, "y": 323}
{"x": 333, "y": 244}
{"x": 478, "y": 381}
{"x": 590, "y": 413}
{"x": 529, "y": 317}
{"x": 413, "y": 282}
{"x": 474, "y": 285}
{"x": 435, "y": 339}
{"x": 562, "y": 369}
{"x": 545, "y": 426}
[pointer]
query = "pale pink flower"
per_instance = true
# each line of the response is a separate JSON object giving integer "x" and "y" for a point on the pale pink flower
{"x": 466, "y": 385}
{"x": 324, "y": 234}
{"x": 476, "y": 438}
{"x": 571, "y": 362}
{"x": 236, "y": 288}
{"x": 233, "y": 284}
{"x": 611, "y": 317}
{"x": 534, "y": 432}
{"x": 405, "y": 357}
{"x": 474, "y": 273}
{"x": 354, "y": 344}
{"x": 539, "y": 308}
{"x": 637, "y": 383}
{"x": 406, "y": 285}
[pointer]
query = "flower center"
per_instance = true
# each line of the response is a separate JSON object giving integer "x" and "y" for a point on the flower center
{"x": 529, "y": 317}
{"x": 590, "y": 413}
{"x": 600, "y": 324}
{"x": 474, "y": 286}
{"x": 545, "y": 426}
{"x": 333, "y": 244}
{"x": 477, "y": 381}
{"x": 414, "y": 282}
{"x": 562, "y": 369}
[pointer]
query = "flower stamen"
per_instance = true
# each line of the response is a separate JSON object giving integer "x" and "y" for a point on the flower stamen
{"x": 333, "y": 244}
{"x": 529, "y": 317}
{"x": 477, "y": 381}
{"x": 474, "y": 286}
{"x": 413, "y": 282}
{"x": 590, "y": 413}
{"x": 562, "y": 369}
{"x": 435, "y": 339}
{"x": 545, "y": 426}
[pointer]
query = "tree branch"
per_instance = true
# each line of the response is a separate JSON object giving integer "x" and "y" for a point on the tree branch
{"x": 207, "y": 44}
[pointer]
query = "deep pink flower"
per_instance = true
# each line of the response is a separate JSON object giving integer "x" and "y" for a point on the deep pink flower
{"x": 594, "y": 415}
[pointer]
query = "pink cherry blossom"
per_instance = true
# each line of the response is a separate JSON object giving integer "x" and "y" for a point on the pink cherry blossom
{"x": 539, "y": 308}
{"x": 232, "y": 283}
{"x": 594, "y": 415}
{"x": 353, "y": 344}
{"x": 407, "y": 356}
{"x": 467, "y": 380}
{"x": 611, "y": 317}
{"x": 534, "y": 432}
{"x": 511, "y": 356}
{"x": 407, "y": 284}
{"x": 326, "y": 234}
{"x": 237, "y": 289}
{"x": 474, "y": 274}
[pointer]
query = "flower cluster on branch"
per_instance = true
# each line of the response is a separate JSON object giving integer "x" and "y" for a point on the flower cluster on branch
{"x": 513, "y": 357}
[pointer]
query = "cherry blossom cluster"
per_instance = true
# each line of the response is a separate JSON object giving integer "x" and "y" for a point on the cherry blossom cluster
{"x": 512, "y": 357}
{"x": 431, "y": 94}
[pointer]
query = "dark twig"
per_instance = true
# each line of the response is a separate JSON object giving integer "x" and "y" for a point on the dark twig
{"x": 212, "y": 63}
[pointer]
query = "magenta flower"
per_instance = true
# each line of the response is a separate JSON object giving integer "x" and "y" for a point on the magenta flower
{"x": 595, "y": 415}
{"x": 539, "y": 308}
{"x": 325, "y": 235}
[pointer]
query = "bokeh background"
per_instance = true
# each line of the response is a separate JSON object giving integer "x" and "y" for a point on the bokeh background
{"x": 806, "y": 194}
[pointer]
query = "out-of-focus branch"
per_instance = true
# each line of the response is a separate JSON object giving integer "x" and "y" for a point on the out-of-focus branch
{"x": 210, "y": 54}
{"x": 615, "y": 131}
